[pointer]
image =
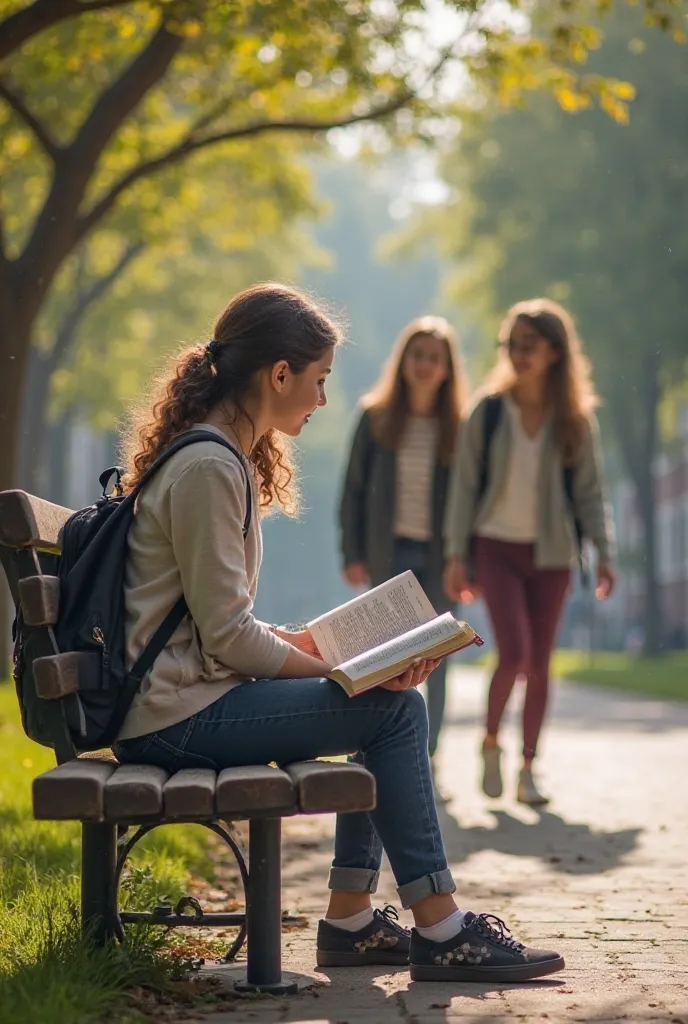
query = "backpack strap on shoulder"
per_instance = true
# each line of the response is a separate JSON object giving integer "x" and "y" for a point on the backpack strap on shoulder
{"x": 193, "y": 437}
{"x": 569, "y": 474}
{"x": 180, "y": 609}
{"x": 492, "y": 411}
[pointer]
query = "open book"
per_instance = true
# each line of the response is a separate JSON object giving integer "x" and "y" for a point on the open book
{"x": 379, "y": 634}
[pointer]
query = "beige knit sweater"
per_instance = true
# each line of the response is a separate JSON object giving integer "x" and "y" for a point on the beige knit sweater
{"x": 187, "y": 537}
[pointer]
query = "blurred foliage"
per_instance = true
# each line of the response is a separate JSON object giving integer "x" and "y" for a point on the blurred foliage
{"x": 231, "y": 223}
{"x": 221, "y": 71}
{"x": 585, "y": 211}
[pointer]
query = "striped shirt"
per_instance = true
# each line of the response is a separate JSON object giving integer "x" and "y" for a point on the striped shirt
{"x": 415, "y": 470}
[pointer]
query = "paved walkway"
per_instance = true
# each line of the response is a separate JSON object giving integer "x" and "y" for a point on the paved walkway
{"x": 602, "y": 875}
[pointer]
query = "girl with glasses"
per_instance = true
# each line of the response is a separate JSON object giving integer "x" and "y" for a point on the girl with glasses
{"x": 527, "y": 487}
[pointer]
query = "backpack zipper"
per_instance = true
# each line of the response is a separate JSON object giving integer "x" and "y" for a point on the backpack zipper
{"x": 100, "y": 639}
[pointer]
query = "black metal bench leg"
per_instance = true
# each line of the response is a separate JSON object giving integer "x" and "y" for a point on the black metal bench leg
{"x": 264, "y": 911}
{"x": 98, "y": 858}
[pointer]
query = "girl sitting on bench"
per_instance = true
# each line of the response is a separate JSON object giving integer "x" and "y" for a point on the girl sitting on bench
{"x": 230, "y": 690}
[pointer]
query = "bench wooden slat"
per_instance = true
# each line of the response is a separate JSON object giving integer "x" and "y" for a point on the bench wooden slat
{"x": 40, "y": 600}
{"x": 134, "y": 793}
{"x": 325, "y": 787}
{"x": 27, "y": 521}
{"x": 56, "y": 675}
{"x": 190, "y": 793}
{"x": 254, "y": 790}
{"x": 74, "y": 791}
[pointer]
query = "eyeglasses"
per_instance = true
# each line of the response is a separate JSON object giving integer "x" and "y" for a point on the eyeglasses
{"x": 518, "y": 347}
{"x": 525, "y": 348}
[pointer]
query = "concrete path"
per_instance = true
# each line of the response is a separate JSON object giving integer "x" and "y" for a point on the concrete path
{"x": 602, "y": 875}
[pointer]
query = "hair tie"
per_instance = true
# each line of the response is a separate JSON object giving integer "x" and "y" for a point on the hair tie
{"x": 211, "y": 352}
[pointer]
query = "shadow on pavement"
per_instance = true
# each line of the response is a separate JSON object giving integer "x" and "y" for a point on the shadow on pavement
{"x": 357, "y": 995}
{"x": 569, "y": 847}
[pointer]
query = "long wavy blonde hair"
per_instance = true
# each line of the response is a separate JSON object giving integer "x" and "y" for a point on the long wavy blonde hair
{"x": 571, "y": 394}
{"x": 388, "y": 399}
{"x": 259, "y": 327}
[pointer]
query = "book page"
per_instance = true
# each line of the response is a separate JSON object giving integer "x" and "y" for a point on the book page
{"x": 410, "y": 644}
{"x": 371, "y": 619}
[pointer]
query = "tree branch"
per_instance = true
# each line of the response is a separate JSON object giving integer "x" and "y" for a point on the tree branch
{"x": 15, "y": 101}
{"x": 55, "y": 231}
{"x": 6, "y": 289}
{"x": 85, "y": 297}
{"x": 123, "y": 96}
{"x": 190, "y": 145}
{"x": 43, "y": 14}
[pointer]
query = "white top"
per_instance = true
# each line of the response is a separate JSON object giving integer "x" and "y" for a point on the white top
{"x": 515, "y": 513}
{"x": 415, "y": 470}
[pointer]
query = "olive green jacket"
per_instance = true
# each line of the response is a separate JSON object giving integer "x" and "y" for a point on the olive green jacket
{"x": 366, "y": 509}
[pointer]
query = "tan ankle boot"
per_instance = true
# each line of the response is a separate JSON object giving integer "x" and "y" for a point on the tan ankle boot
{"x": 527, "y": 792}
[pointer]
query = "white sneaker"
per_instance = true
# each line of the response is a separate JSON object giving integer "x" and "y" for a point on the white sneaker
{"x": 492, "y": 772}
{"x": 527, "y": 792}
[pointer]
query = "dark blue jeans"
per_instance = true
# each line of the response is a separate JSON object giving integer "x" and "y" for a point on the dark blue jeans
{"x": 286, "y": 720}
{"x": 415, "y": 555}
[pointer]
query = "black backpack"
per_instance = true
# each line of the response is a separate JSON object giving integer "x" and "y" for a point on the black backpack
{"x": 492, "y": 413}
{"x": 91, "y": 616}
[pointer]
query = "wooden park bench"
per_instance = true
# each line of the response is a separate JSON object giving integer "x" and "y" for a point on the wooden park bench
{"x": 109, "y": 798}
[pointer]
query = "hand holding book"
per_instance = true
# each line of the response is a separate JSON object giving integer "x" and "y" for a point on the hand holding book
{"x": 416, "y": 674}
{"x": 379, "y": 636}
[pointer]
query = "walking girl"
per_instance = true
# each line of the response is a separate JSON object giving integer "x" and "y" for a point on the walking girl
{"x": 395, "y": 489}
{"x": 527, "y": 486}
{"x": 230, "y": 690}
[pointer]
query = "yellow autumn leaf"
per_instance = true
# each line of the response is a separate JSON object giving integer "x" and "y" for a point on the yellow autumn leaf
{"x": 579, "y": 53}
{"x": 570, "y": 101}
{"x": 623, "y": 90}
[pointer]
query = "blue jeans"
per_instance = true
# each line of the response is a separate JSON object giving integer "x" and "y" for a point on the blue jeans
{"x": 286, "y": 720}
{"x": 415, "y": 555}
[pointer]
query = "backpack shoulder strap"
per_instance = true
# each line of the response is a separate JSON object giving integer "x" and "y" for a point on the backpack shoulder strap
{"x": 175, "y": 616}
{"x": 569, "y": 476}
{"x": 492, "y": 411}
{"x": 193, "y": 437}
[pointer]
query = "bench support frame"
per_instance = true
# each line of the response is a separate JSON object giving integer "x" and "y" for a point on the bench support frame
{"x": 175, "y": 918}
{"x": 264, "y": 911}
{"x": 101, "y": 869}
{"x": 98, "y": 894}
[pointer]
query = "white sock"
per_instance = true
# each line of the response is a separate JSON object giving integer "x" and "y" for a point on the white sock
{"x": 444, "y": 930}
{"x": 353, "y": 923}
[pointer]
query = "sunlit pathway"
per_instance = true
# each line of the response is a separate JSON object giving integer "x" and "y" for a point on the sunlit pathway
{"x": 602, "y": 876}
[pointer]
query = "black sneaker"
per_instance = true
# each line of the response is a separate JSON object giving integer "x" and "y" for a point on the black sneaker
{"x": 383, "y": 941}
{"x": 483, "y": 950}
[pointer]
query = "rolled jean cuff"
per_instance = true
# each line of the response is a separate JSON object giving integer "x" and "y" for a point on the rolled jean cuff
{"x": 438, "y": 881}
{"x": 353, "y": 879}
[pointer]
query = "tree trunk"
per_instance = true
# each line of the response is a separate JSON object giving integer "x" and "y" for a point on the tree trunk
{"x": 34, "y": 439}
{"x": 639, "y": 448}
{"x": 14, "y": 349}
{"x": 56, "y": 459}
{"x": 646, "y": 504}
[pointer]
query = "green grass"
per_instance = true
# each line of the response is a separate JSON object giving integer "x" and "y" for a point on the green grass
{"x": 47, "y": 974}
{"x": 664, "y": 677}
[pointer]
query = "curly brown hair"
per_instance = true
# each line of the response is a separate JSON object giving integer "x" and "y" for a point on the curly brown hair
{"x": 259, "y": 327}
{"x": 389, "y": 402}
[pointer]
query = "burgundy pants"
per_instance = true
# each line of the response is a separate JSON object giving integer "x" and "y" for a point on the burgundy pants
{"x": 525, "y": 606}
